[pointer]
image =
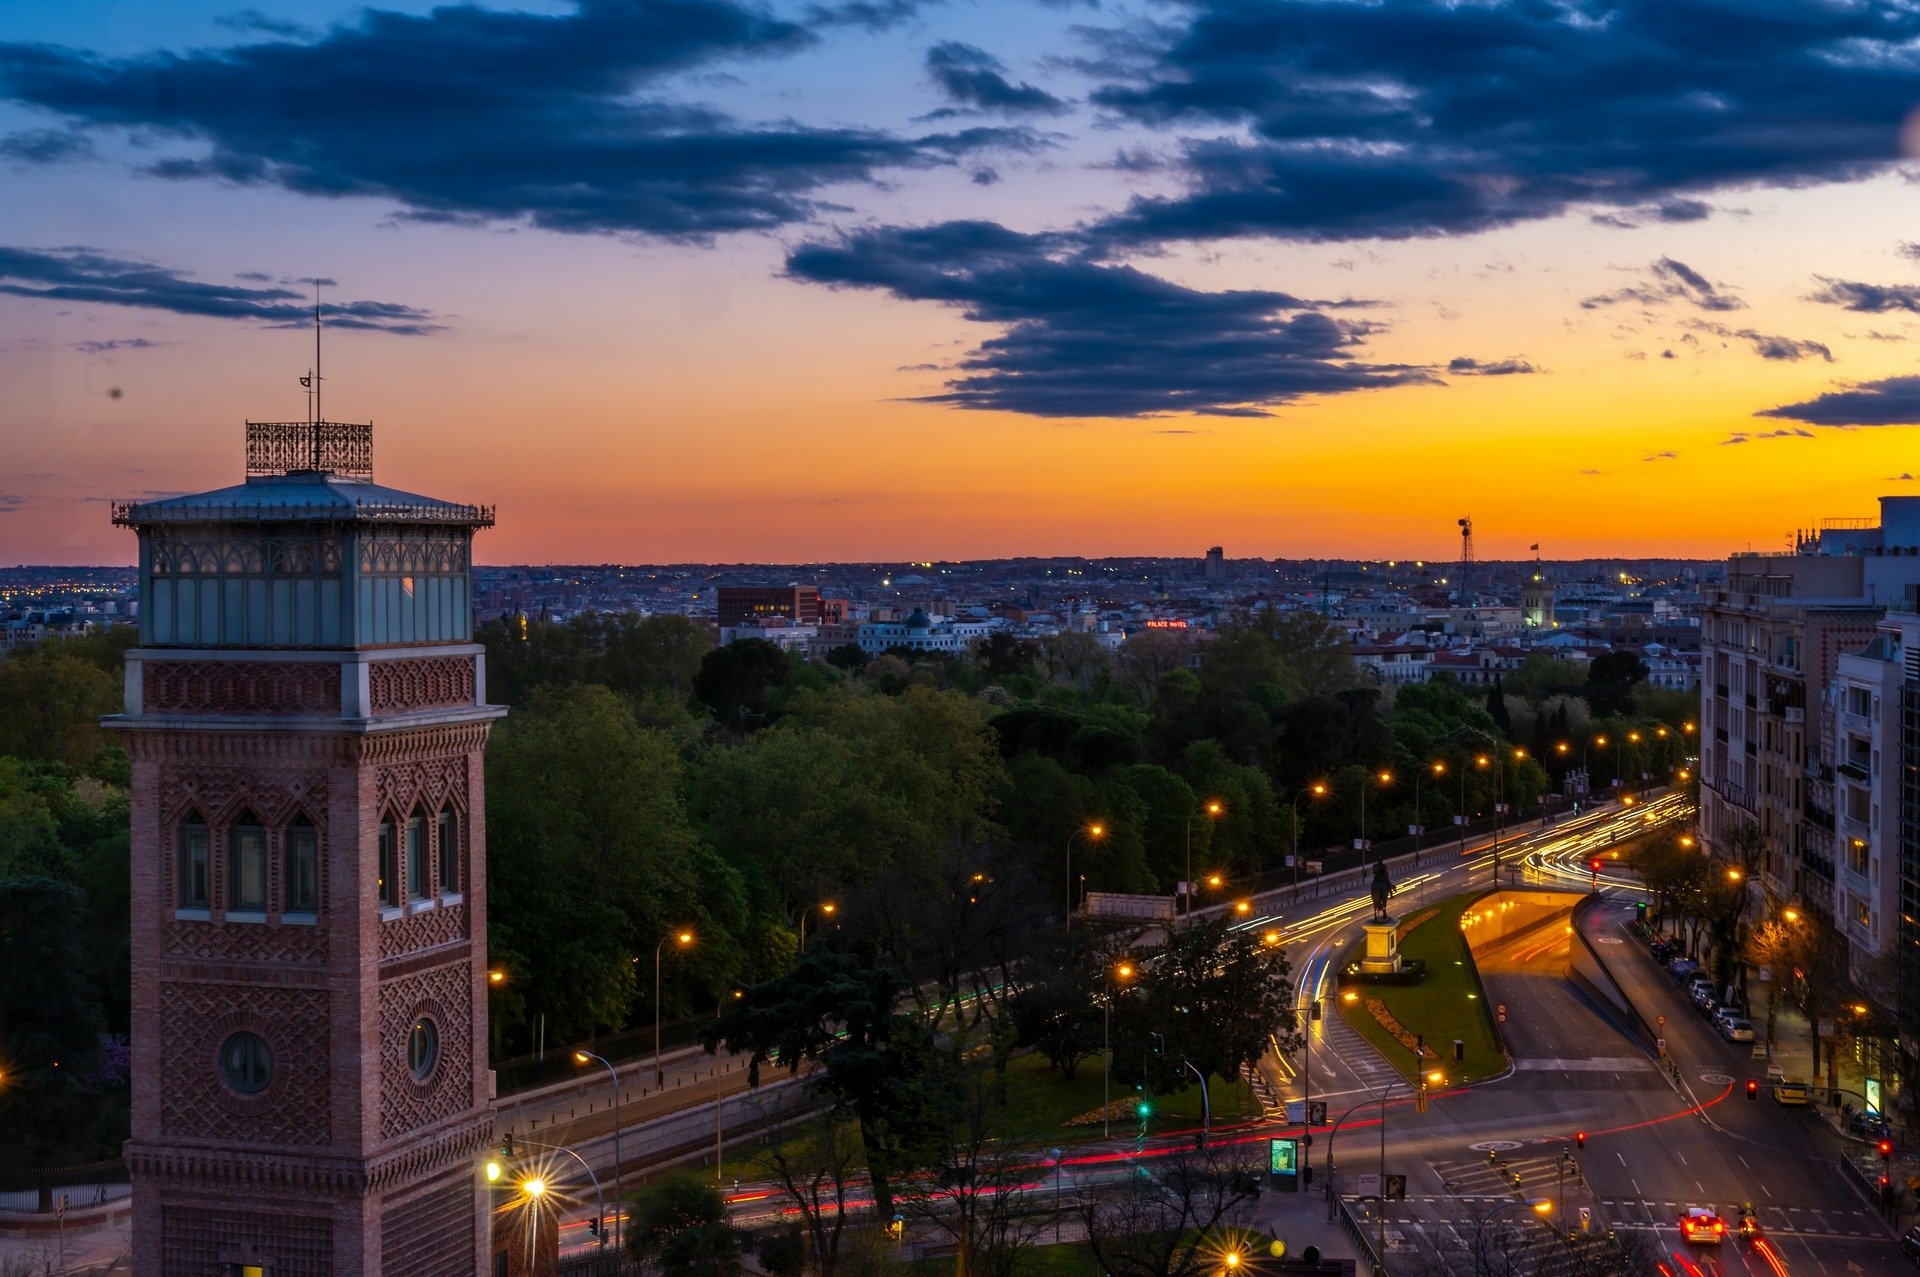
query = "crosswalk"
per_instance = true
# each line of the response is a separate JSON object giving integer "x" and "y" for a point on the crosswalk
{"x": 1805, "y": 1221}
{"x": 1357, "y": 1054}
{"x": 1506, "y": 1178}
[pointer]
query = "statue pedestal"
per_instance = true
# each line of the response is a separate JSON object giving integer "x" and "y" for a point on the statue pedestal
{"x": 1383, "y": 948}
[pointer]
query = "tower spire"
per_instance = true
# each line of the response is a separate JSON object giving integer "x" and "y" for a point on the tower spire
{"x": 318, "y": 415}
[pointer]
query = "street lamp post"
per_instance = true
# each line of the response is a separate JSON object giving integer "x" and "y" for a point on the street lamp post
{"x": 583, "y": 1057}
{"x": 1093, "y": 832}
{"x": 1419, "y": 823}
{"x": 536, "y": 1188}
{"x": 1318, "y": 790}
{"x": 1213, "y": 809}
{"x": 825, "y": 907}
{"x": 1122, "y": 972}
{"x": 1539, "y": 1206}
{"x": 1385, "y": 778}
{"x": 682, "y": 938}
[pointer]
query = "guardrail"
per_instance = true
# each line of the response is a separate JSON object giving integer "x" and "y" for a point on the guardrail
{"x": 1362, "y": 1244}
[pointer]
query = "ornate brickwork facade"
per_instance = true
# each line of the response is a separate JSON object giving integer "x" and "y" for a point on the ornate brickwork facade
{"x": 434, "y": 682}
{"x": 411, "y": 1230}
{"x": 216, "y": 1240}
{"x": 422, "y": 929}
{"x": 252, "y": 688}
{"x": 292, "y": 1108}
{"x": 443, "y": 998}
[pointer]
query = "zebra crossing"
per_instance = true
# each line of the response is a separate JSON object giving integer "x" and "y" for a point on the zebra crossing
{"x": 1803, "y": 1221}
{"x": 1505, "y": 1177}
{"x": 1357, "y": 1054}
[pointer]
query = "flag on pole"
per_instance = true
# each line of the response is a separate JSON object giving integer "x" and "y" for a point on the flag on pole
{"x": 1535, "y": 546}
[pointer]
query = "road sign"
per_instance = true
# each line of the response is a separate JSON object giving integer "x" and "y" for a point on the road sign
{"x": 1500, "y": 1013}
{"x": 1660, "y": 1021}
{"x": 1369, "y": 1184}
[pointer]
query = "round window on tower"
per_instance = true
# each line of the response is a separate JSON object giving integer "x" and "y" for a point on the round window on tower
{"x": 423, "y": 1048}
{"x": 246, "y": 1061}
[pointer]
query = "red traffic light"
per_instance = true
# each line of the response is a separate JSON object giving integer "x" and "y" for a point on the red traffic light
{"x": 1594, "y": 864}
{"x": 1886, "y": 1148}
{"x": 1753, "y": 1089}
{"x": 1580, "y": 1139}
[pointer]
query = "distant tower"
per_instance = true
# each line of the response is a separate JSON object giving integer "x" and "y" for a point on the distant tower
{"x": 1216, "y": 565}
{"x": 305, "y": 716}
{"x": 1536, "y": 598}
{"x": 1466, "y": 556}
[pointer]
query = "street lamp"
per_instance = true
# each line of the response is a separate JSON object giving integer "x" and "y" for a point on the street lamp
{"x": 1540, "y": 1206}
{"x": 1385, "y": 778}
{"x": 1213, "y": 809}
{"x": 584, "y": 1057}
{"x": 1115, "y": 976}
{"x": 683, "y": 939}
{"x": 1318, "y": 790}
{"x": 1438, "y": 768}
{"x": 826, "y": 907}
{"x": 1093, "y": 833}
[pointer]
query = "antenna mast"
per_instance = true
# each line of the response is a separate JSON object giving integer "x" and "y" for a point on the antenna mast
{"x": 318, "y": 415}
{"x": 1466, "y": 554}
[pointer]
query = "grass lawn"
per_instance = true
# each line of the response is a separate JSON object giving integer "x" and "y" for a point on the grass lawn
{"x": 1039, "y": 1102}
{"x": 1444, "y": 1006}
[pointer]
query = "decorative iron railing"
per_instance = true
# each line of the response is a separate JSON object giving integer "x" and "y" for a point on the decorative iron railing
{"x": 336, "y": 447}
{"x": 128, "y": 514}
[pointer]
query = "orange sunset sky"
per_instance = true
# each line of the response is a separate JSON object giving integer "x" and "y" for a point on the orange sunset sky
{"x": 632, "y": 386}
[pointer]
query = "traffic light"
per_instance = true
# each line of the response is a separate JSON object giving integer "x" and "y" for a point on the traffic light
{"x": 1886, "y": 1149}
{"x": 1753, "y": 1089}
{"x": 593, "y": 1227}
{"x": 1594, "y": 864}
{"x": 1143, "y": 1109}
{"x": 506, "y": 1146}
{"x": 1580, "y": 1139}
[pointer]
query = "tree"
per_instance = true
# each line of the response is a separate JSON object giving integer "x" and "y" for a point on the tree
{"x": 1216, "y": 995}
{"x": 1166, "y": 1221}
{"x": 736, "y": 681}
{"x": 50, "y": 1025}
{"x": 1001, "y": 656}
{"x": 1497, "y": 708}
{"x": 591, "y": 860}
{"x": 980, "y": 1192}
{"x": 1053, "y": 1011}
{"x": 679, "y": 1224}
{"x": 843, "y": 1012}
{"x": 814, "y": 1169}
{"x": 1611, "y": 679}
{"x": 51, "y": 700}
{"x": 654, "y": 654}
{"x": 1148, "y": 656}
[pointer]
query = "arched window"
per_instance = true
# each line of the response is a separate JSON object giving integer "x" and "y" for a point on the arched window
{"x": 389, "y": 881}
{"x": 247, "y": 866}
{"x": 303, "y": 868}
{"x": 418, "y": 887}
{"x": 449, "y": 835}
{"x": 195, "y": 884}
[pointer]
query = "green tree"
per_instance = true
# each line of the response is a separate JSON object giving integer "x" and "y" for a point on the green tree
{"x": 1217, "y": 994}
{"x": 679, "y": 1225}
{"x": 591, "y": 860}
{"x": 50, "y": 1025}
{"x": 51, "y": 699}
{"x": 737, "y": 681}
{"x": 1497, "y": 708}
{"x": 1611, "y": 680}
{"x": 846, "y": 1014}
{"x": 654, "y": 655}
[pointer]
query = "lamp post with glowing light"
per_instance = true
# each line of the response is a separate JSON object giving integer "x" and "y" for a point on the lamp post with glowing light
{"x": 1115, "y": 976}
{"x": 1093, "y": 833}
{"x": 826, "y": 907}
{"x": 1319, "y": 790}
{"x": 1438, "y": 768}
{"x": 683, "y": 939}
{"x": 1213, "y": 809}
{"x": 584, "y": 1057}
{"x": 1540, "y": 1206}
{"x": 1385, "y": 778}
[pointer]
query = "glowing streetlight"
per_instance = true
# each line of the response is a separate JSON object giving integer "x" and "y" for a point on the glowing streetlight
{"x": 1120, "y": 974}
{"x": 1213, "y": 811}
{"x": 683, "y": 939}
{"x": 1093, "y": 833}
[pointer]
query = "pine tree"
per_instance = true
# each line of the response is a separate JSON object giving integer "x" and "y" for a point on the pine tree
{"x": 1497, "y": 707}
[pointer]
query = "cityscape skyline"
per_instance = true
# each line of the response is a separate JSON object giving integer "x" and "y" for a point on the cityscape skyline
{"x": 965, "y": 281}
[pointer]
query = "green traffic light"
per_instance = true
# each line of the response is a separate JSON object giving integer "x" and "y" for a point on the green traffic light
{"x": 1144, "y": 1109}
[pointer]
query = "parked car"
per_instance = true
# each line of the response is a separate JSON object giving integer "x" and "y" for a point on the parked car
{"x": 1682, "y": 969}
{"x": 1664, "y": 951}
{"x": 1703, "y": 1000}
{"x": 1790, "y": 1091}
{"x": 1867, "y": 1126}
{"x": 1910, "y": 1245}
{"x": 1736, "y": 1028}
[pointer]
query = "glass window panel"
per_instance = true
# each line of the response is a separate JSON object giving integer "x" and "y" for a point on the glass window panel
{"x": 303, "y": 869}
{"x": 417, "y": 886}
{"x": 449, "y": 852}
{"x": 389, "y": 865}
{"x": 247, "y": 868}
{"x": 193, "y": 865}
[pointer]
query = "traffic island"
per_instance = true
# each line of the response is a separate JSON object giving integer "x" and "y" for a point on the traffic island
{"x": 1415, "y": 1016}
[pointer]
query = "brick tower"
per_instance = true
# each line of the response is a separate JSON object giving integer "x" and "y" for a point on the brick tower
{"x": 305, "y": 715}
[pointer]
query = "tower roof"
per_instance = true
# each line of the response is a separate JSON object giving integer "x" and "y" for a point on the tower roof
{"x": 302, "y": 495}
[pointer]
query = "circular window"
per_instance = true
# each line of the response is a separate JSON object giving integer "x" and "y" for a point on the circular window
{"x": 423, "y": 1048}
{"x": 246, "y": 1061}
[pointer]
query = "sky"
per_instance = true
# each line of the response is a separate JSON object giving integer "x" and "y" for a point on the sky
{"x": 729, "y": 281}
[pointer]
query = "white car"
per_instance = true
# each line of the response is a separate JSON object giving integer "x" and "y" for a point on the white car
{"x": 1736, "y": 1029}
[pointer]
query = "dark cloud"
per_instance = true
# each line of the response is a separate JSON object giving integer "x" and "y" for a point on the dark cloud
{"x": 1406, "y": 118}
{"x": 1466, "y": 367}
{"x": 1671, "y": 211}
{"x": 86, "y": 275}
{"x": 1903, "y": 477}
{"x": 1748, "y": 436}
{"x": 1672, "y": 281}
{"x": 1872, "y": 299}
{"x": 1894, "y": 401}
{"x": 1767, "y": 345}
{"x": 985, "y": 177}
{"x": 46, "y": 146}
{"x": 117, "y": 343}
{"x": 1662, "y": 456}
{"x": 974, "y": 77}
{"x": 1087, "y": 338}
{"x": 472, "y": 115}
{"x": 254, "y": 22}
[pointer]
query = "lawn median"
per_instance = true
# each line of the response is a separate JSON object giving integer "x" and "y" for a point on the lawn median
{"x": 1448, "y": 1004}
